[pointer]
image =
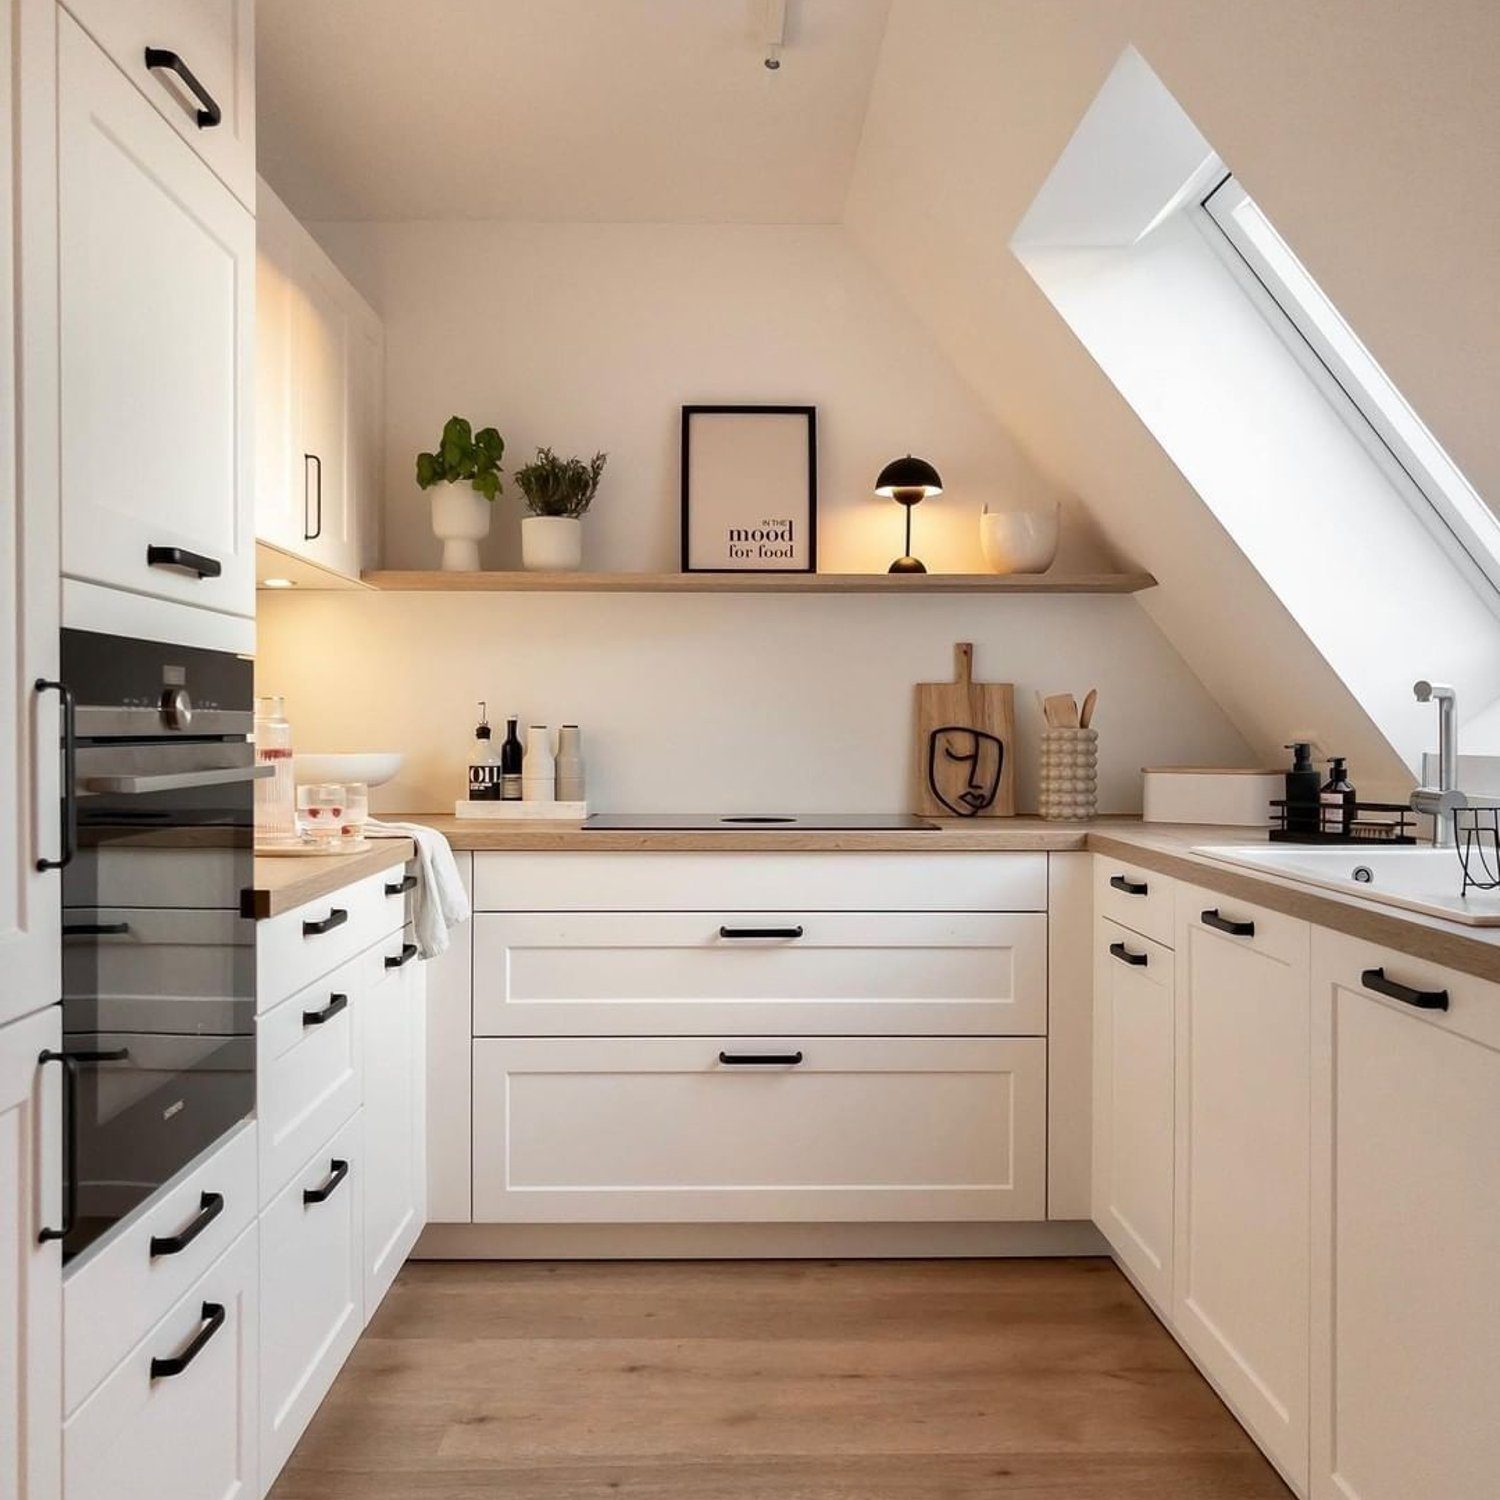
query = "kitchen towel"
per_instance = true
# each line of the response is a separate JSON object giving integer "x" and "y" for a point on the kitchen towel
{"x": 439, "y": 900}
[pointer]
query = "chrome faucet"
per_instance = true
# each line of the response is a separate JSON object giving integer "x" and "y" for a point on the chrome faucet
{"x": 1442, "y": 801}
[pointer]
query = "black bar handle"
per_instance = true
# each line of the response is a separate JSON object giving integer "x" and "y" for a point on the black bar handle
{"x": 213, "y": 1316}
{"x": 335, "y": 918}
{"x": 336, "y": 1003}
{"x": 761, "y": 932}
{"x": 69, "y": 804}
{"x": 760, "y": 1059}
{"x": 339, "y": 1170}
{"x": 402, "y": 886}
{"x": 112, "y": 1054}
{"x": 210, "y": 1206}
{"x": 313, "y": 535}
{"x": 1129, "y": 886}
{"x": 1374, "y": 979}
{"x": 1211, "y": 918}
{"x": 401, "y": 959}
{"x": 209, "y": 114}
{"x": 69, "y": 1065}
{"x": 95, "y": 929}
{"x": 1120, "y": 951}
{"x": 179, "y": 557}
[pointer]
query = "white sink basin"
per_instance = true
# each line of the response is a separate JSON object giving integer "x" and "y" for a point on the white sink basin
{"x": 1413, "y": 876}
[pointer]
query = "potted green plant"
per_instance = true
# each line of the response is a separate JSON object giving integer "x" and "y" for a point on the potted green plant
{"x": 465, "y": 473}
{"x": 558, "y": 491}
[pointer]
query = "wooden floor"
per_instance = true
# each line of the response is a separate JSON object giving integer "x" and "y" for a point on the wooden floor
{"x": 798, "y": 1380}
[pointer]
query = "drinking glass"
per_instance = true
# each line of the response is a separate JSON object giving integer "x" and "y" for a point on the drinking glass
{"x": 356, "y": 812}
{"x": 320, "y": 811}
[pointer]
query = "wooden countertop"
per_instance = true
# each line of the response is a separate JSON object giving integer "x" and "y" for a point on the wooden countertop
{"x": 281, "y": 884}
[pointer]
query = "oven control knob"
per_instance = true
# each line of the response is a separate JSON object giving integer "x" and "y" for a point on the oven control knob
{"x": 176, "y": 707}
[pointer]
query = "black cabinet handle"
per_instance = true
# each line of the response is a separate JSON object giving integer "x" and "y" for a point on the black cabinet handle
{"x": 213, "y": 1316}
{"x": 1374, "y": 979}
{"x": 95, "y": 929}
{"x": 1211, "y": 918}
{"x": 69, "y": 803}
{"x": 1120, "y": 951}
{"x": 69, "y": 1065}
{"x": 317, "y": 531}
{"x": 180, "y": 557}
{"x": 760, "y": 1059}
{"x": 210, "y": 1206}
{"x": 1129, "y": 886}
{"x": 338, "y": 1171}
{"x": 402, "y": 886}
{"x": 336, "y": 1003}
{"x": 401, "y": 959}
{"x": 209, "y": 114}
{"x": 761, "y": 932}
{"x": 335, "y": 918}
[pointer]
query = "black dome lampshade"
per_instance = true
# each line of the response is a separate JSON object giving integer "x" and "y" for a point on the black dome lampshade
{"x": 906, "y": 481}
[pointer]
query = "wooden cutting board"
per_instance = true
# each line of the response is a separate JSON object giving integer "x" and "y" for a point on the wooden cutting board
{"x": 965, "y": 736}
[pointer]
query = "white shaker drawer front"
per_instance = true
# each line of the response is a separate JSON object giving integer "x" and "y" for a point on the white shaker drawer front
{"x": 701, "y": 973}
{"x": 299, "y": 946}
{"x": 769, "y": 881}
{"x": 177, "y": 1419}
{"x": 113, "y": 1297}
{"x": 1139, "y": 899}
{"x": 755, "y": 1129}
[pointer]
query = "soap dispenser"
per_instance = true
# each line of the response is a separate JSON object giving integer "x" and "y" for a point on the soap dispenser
{"x": 1336, "y": 800}
{"x": 1302, "y": 789}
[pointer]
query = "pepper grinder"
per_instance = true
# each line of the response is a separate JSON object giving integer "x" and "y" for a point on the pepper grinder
{"x": 569, "y": 765}
{"x": 537, "y": 774}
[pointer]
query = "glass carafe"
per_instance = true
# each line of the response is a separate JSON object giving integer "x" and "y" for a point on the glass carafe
{"x": 275, "y": 796}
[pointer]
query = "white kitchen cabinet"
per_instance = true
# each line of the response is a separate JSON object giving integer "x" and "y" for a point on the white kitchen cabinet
{"x": 1134, "y": 1024}
{"x": 31, "y": 1199}
{"x": 1406, "y": 1228}
{"x": 1241, "y": 1278}
{"x": 156, "y": 304}
{"x": 759, "y": 1129}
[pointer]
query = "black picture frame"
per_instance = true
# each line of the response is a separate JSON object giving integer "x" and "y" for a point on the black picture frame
{"x": 721, "y": 410}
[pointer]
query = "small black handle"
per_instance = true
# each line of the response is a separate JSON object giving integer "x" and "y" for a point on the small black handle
{"x": 336, "y": 1003}
{"x": 339, "y": 1170}
{"x": 400, "y": 960}
{"x": 210, "y": 1206}
{"x": 95, "y": 929}
{"x": 210, "y": 114}
{"x": 1211, "y": 918}
{"x": 316, "y": 532}
{"x": 69, "y": 803}
{"x": 760, "y": 1059}
{"x": 213, "y": 1316}
{"x": 1129, "y": 886}
{"x": 1374, "y": 979}
{"x": 761, "y": 932}
{"x": 335, "y": 918}
{"x": 1120, "y": 951}
{"x": 69, "y": 1065}
{"x": 402, "y": 886}
{"x": 179, "y": 557}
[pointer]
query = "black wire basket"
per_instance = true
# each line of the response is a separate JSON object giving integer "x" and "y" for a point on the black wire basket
{"x": 1476, "y": 831}
{"x": 1368, "y": 823}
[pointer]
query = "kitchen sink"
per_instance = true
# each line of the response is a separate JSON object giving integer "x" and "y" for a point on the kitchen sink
{"x": 1415, "y": 877}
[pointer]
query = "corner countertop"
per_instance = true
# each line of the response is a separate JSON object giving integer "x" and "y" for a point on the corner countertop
{"x": 282, "y": 883}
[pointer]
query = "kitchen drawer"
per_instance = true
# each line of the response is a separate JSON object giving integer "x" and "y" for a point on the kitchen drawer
{"x": 309, "y": 1067}
{"x": 772, "y": 881}
{"x": 1201, "y": 913}
{"x": 299, "y": 946}
{"x": 311, "y": 1290}
{"x": 184, "y": 1435}
{"x": 660, "y": 1130}
{"x": 1135, "y": 898}
{"x": 704, "y": 973}
{"x": 114, "y": 1295}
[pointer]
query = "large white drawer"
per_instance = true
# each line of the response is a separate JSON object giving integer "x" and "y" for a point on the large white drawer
{"x": 660, "y": 1130}
{"x": 738, "y": 972}
{"x": 580, "y": 881}
{"x": 115, "y": 1295}
{"x": 183, "y": 1429}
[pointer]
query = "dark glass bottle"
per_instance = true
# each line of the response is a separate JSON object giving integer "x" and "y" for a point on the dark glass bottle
{"x": 1337, "y": 800}
{"x": 511, "y": 755}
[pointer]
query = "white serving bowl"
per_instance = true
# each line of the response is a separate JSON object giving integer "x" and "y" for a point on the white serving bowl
{"x": 374, "y": 767}
{"x": 1019, "y": 541}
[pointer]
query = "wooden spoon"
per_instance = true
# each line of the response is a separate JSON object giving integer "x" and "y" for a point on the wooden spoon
{"x": 1089, "y": 700}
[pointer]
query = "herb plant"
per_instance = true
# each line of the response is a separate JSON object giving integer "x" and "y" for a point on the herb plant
{"x": 464, "y": 454}
{"x": 556, "y": 486}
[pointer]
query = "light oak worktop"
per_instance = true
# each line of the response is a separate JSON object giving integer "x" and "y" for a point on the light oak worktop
{"x": 281, "y": 884}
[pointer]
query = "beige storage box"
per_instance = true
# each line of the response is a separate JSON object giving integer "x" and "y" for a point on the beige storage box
{"x": 1232, "y": 796}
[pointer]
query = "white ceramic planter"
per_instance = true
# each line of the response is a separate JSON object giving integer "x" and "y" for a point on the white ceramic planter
{"x": 551, "y": 544}
{"x": 1019, "y": 541}
{"x": 460, "y": 519}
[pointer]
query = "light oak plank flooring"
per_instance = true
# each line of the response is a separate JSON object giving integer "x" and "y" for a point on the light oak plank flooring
{"x": 799, "y": 1380}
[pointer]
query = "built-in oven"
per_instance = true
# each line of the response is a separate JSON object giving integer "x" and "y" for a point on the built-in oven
{"x": 158, "y": 962}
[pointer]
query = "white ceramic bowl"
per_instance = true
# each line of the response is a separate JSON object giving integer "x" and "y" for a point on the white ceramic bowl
{"x": 1019, "y": 541}
{"x": 374, "y": 768}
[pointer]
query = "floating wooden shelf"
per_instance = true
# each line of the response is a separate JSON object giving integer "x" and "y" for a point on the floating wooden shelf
{"x": 763, "y": 583}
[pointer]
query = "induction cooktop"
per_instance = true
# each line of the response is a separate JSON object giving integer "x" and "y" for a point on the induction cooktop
{"x": 755, "y": 822}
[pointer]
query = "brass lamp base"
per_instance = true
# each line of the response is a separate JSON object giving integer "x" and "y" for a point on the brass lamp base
{"x": 907, "y": 565}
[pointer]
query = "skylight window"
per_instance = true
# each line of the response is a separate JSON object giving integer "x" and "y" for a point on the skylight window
{"x": 1362, "y": 393}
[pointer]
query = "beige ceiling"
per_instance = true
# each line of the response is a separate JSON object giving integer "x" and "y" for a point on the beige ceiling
{"x": 583, "y": 110}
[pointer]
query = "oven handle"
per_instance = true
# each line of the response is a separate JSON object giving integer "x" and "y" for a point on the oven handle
{"x": 176, "y": 781}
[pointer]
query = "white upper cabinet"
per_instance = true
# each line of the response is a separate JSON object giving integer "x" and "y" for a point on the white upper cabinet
{"x": 200, "y": 76}
{"x": 157, "y": 315}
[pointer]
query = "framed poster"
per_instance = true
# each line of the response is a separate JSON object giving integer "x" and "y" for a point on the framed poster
{"x": 749, "y": 489}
